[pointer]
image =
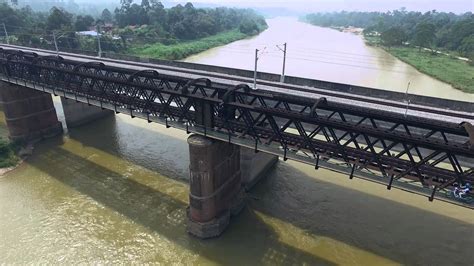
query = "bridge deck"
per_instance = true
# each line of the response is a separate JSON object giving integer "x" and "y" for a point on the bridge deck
{"x": 305, "y": 91}
{"x": 422, "y": 153}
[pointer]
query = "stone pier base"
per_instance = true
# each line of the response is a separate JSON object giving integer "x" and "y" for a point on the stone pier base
{"x": 78, "y": 114}
{"x": 29, "y": 114}
{"x": 215, "y": 186}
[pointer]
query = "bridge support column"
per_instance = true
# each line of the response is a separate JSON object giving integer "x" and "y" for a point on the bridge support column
{"x": 255, "y": 166}
{"x": 29, "y": 114}
{"x": 78, "y": 114}
{"x": 215, "y": 186}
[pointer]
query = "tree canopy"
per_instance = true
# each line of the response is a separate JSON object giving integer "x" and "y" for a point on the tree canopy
{"x": 133, "y": 23}
{"x": 187, "y": 22}
{"x": 393, "y": 36}
{"x": 429, "y": 29}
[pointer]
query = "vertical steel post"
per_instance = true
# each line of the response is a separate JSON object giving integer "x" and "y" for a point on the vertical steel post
{"x": 98, "y": 41}
{"x": 55, "y": 44}
{"x": 407, "y": 100}
{"x": 6, "y": 33}
{"x": 255, "y": 71}
{"x": 282, "y": 80}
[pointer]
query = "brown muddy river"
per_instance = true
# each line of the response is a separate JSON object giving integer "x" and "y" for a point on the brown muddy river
{"x": 115, "y": 191}
{"x": 326, "y": 54}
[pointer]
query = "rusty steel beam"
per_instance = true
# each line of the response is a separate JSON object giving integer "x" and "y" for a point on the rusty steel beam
{"x": 424, "y": 154}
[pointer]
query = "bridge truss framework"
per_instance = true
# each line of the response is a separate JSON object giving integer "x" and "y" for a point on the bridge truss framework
{"x": 421, "y": 155}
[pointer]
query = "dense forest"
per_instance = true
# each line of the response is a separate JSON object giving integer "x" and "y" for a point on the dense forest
{"x": 129, "y": 26}
{"x": 431, "y": 29}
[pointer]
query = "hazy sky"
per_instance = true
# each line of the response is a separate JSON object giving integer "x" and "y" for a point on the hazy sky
{"x": 457, "y": 6}
{"x": 331, "y": 5}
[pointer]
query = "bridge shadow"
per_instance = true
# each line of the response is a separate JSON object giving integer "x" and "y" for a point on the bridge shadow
{"x": 164, "y": 214}
{"x": 394, "y": 230}
{"x": 387, "y": 228}
{"x": 136, "y": 144}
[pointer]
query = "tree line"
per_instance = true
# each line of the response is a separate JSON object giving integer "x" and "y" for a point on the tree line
{"x": 185, "y": 22}
{"x": 147, "y": 22}
{"x": 431, "y": 29}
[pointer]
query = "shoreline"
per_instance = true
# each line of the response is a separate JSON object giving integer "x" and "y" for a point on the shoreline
{"x": 15, "y": 156}
{"x": 447, "y": 69}
{"x": 183, "y": 50}
{"x": 452, "y": 70}
{"x": 6, "y": 170}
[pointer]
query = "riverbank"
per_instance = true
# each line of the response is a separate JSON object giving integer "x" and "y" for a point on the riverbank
{"x": 452, "y": 69}
{"x": 8, "y": 156}
{"x": 182, "y": 50}
{"x": 444, "y": 67}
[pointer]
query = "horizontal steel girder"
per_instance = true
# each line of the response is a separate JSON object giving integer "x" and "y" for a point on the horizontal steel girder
{"x": 422, "y": 154}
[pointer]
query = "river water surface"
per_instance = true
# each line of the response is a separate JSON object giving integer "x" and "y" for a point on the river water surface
{"x": 115, "y": 191}
{"x": 326, "y": 54}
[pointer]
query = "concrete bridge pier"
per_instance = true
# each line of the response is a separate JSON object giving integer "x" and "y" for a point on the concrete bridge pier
{"x": 78, "y": 113}
{"x": 215, "y": 186}
{"x": 29, "y": 114}
{"x": 217, "y": 170}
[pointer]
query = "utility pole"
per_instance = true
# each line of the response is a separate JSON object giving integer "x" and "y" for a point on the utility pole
{"x": 407, "y": 100}
{"x": 255, "y": 71}
{"x": 282, "y": 79}
{"x": 55, "y": 44}
{"x": 98, "y": 41}
{"x": 6, "y": 33}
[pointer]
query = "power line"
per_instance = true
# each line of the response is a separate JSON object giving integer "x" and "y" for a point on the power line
{"x": 263, "y": 52}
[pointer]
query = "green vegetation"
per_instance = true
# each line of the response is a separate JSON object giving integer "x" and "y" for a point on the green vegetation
{"x": 164, "y": 32}
{"x": 8, "y": 156}
{"x": 446, "y": 68}
{"x": 432, "y": 30}
{"x": 408, "y": 36}
{"x": 183, "y": 50}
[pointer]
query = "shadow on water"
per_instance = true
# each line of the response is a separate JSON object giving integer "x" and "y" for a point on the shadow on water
{"x": 393, "y": 230}
{"x": 164, "y": 214}
{"x": 139, "y": 145}
{"x": 387, "y": 228}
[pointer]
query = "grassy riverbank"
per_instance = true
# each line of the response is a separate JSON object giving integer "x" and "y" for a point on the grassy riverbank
{"x": 8, "y": 157}
{"x": 451, "y": 70}
{"x": 447, "y": 68}
{"x": 185, "y": 49}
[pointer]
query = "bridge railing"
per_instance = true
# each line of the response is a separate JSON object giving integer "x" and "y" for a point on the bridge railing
{"x": 412, "y": 153}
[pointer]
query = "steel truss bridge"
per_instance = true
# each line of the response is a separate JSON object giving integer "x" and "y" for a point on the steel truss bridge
{"x": 417, "y": 154}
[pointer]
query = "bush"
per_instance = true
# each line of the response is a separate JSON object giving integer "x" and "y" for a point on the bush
{"x": 7, "y": 154}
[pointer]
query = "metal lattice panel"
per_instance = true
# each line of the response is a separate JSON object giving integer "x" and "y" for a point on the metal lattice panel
{"x": 422, "y": 154}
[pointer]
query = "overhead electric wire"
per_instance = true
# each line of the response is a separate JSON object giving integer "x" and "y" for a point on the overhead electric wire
{"x": 339, "y": 57}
